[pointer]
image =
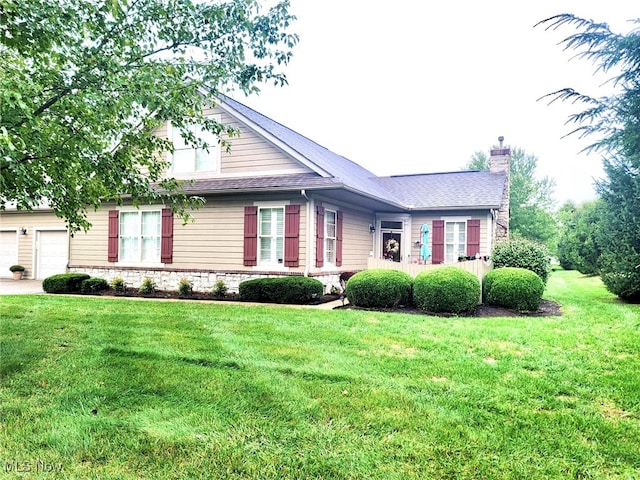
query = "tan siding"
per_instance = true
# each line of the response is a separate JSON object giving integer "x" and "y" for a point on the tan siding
{"x": 250, "y": 153}
{"x": 418, "y": 220}
{"x": 33, "y": 221}
{"x": 357, "y": 241}
{"x": 90, "y": 248}
{"x": 214, "y": 241}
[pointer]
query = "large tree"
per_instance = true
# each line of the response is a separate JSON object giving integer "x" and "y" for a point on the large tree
{"x": 580, "y": 238}
{"x": 84, "y": 84}
{"x": 530, "y": 201}
{"x": 614, "y": 119}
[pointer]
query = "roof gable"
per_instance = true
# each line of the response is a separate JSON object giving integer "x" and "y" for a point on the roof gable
{"x": 323, "y": 161}
{"x": 442, "y": 191}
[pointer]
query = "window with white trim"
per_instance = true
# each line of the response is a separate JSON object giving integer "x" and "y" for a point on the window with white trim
{"x": 271, "y": 236}
{"x": 186, "y": 159}
{"x": 330, "y": 236}
{"x": 140, "y": 236}
{"x": 455, "y": 241}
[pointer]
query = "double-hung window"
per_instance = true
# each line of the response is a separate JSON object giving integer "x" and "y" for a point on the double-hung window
{"x": 140, "y": 236}
{"x": 187, "y": 159}
{"x": 271, "y": 236}
{"x": 330, "y": 236}
{"x": 455, "y": 240}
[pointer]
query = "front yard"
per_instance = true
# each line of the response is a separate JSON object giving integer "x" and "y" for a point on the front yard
{"x": 108, "y": 388}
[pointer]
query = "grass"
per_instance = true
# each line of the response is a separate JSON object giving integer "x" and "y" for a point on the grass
{"x": 127, "y": 389}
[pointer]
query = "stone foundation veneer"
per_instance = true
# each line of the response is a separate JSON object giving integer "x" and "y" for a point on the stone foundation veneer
{"x": 202, "y": 281}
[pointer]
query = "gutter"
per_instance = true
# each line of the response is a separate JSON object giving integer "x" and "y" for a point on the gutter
{"x": 307, "y": 261}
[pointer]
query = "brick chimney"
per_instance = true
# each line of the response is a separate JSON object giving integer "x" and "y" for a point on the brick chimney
{"x": 500, "y": 163}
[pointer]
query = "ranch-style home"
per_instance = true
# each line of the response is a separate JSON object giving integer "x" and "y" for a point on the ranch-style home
{"x": 276, "y": 204}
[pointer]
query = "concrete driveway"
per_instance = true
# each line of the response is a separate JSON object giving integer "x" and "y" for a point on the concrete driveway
{"x": 16, "y": 287}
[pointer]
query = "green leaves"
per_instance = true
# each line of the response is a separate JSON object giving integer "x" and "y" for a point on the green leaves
{"x": 83, "y": 85}
{"x": 614, "y": 119}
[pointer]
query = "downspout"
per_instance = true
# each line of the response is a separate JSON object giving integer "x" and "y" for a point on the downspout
{"x": 307, "y": 261}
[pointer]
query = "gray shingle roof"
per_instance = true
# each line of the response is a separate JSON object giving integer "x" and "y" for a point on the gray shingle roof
{"x": 468, "y": 189}
{"x": 350, "y": 174}
{"x": 305, "y": 180}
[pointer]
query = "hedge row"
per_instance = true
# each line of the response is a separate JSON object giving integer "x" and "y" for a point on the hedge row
{"x": 291, "y": 290}
{"x": 446, "y": 289}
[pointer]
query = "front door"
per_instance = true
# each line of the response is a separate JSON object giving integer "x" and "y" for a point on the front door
{"x": 391, "y": 245}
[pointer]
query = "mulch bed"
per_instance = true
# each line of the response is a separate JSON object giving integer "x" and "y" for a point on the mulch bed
{"x": 548, "y": 308}
{"x": 164, "y": 294}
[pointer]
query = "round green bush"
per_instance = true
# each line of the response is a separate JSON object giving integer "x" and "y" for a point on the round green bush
{"x": 379, "y": 289}
{"x": 93, "y": 285}
{"x": 291, "y": 290}
{"x": 511, "y": 287}
{"x": 64, "y": 282}
{"x": 522, "y": 253}
{"x": 446, "y": 290}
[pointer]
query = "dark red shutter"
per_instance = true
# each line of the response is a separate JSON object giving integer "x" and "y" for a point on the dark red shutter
{"x": 437, "y": 244}
{"x": 473, "y": 237}
{"x": 250, "y": 236}
{"x": 114, "y": 230}
{"x": 166, "y": 242}
{"x": 319, "y": 236}
{"x": 291, "y": 235}
{"x": 339, "y": 239}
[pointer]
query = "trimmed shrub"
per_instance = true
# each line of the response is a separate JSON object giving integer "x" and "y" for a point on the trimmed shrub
{"x": 94, "y": 285}
{"x": 185, "y": 288}
{"x": 522, "y": 253}
{"x": 118, "y": 285}
{"x": 511, "y": 287}
{"x": 147, "y": 287}
{"x": 64, "y": 283}
{"x": 220, "y": 289}
{"x": 379, "y": 289}
{"x": 292, "y": 290}
{"x": 446, "y": 290}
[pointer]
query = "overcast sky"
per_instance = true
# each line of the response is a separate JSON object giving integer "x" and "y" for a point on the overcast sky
{"x": 411, "y": 86}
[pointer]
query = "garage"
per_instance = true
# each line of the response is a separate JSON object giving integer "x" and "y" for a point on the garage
{"x": 52, "y": 252}
{"x": 8, "y": 251}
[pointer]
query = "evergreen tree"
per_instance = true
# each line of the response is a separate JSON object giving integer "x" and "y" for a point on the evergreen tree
{"x": 615, "y": 119}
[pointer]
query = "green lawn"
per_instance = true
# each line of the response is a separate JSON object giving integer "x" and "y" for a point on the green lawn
{"x": 126, "y": 389}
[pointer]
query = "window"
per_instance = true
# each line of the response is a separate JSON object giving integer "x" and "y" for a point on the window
{"x": 330, "y": 236}
{"x": 455, "y": 241}
{"x": 271, "y": 235}
{"x": 140, "y": 236}
{"x": 187, "y": 159}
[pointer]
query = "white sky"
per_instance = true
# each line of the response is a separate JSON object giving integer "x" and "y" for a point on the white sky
{"x": 410, "y": 86}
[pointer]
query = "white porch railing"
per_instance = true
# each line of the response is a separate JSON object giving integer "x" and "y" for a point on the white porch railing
{"x": 478, "y": 267}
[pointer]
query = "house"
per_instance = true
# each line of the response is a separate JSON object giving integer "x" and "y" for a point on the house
{"x": 277, "y": 204}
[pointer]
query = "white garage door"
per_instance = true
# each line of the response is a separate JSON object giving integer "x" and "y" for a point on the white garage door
{"x": 8, "y": 252}
{"x": 52, "y": 253}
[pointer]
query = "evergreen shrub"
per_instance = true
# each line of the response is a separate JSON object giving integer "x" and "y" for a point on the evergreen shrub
{"x": 379, "y": 288}
{"x": 64, "y": 282}
{"x": 523, "y": 253}
{"x": 94, "y": 285}
{"x": 511, "y": 287}
{"x": 290, "y": 290}
{"x": 446, "y": 290}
